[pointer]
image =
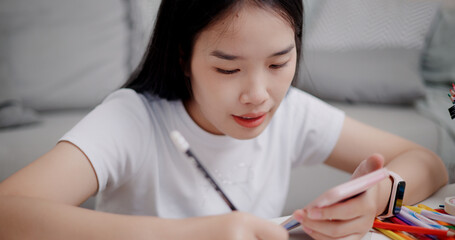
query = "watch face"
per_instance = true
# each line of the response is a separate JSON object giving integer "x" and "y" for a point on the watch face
{"x": 399, "y": 197}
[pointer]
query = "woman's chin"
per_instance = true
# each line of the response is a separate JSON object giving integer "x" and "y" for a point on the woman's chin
{"x": 244, "y": 133}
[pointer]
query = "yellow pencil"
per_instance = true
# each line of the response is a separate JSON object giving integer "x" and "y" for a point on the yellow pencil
{"x": 391, "y": 234}
{"x": 404, "y": 235}
{"x": 426, "y": 207}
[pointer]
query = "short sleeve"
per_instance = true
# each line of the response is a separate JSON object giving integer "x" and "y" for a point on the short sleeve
{"x": 316, "y": 127}
{"x": 113, "y": 137}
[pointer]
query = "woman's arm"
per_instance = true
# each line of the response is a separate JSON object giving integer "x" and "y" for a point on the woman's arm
{"x": 423, "y": 171}
{"x": 31, "y": 218}
{"x": 41, "y": 202}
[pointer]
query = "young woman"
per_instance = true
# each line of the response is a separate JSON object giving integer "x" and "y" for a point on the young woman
{"x": 220, "y": 73}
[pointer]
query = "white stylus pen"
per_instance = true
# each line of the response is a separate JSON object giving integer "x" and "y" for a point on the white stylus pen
{"x": 183, "y": 146}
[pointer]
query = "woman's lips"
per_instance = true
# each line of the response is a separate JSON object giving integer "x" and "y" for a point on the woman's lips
{"x": 250, "y": 120}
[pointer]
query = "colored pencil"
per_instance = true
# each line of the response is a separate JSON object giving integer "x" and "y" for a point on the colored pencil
{"x": 413, "y": 229}
{"x": 411, "y": 219}
{"x": 441, "y": 211}
{"x": 423, "y": 206}
{"x": 405, "y": 235}
{"x": 390, "y": 234}
{"x": 418, "y": 213}
{"x": 446, "y": 218}
{"x": 416, "y": 235}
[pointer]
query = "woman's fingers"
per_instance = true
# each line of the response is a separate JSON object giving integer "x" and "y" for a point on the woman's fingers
{"x": 268, "y": 230}
{"x": 320, "y": 236}
{"x": 372, "y": 163}
{"x": 346, "y": 210}
{"x": 336, "y": 229}
{"x": 244, "y": 226}
{"x": 350, "y": 219}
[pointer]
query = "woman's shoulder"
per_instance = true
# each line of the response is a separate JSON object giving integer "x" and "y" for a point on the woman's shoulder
{"x": 127, "y": 103}
{"x": 297, "y": 98}
{"x": 122, "y": 94}
{"x": 127, "y": 97}
{"x": 296, "y": 94}
{"x": 300, "y": 105}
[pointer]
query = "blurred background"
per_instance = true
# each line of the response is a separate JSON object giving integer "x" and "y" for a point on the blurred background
{"x": 389, "y": 63}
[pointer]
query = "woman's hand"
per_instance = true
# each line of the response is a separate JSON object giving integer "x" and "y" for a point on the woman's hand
{"x": 231, "y": 226}
{"x": 350, "y": 219}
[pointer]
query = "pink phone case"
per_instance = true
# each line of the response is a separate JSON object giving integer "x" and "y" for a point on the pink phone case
{"x": 350, "y": 189}
{"x": 342, "y": 192}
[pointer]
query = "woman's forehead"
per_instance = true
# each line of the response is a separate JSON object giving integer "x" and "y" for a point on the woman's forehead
{"x": 246, "y": 25}
{"x": 235, "y": 17}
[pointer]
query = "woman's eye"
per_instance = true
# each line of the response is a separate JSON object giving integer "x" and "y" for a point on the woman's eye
{"x": 223, "y": 71}
{"x": 276, "y": 66}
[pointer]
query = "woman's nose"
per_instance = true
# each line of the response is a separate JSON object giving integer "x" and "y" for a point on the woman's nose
{"x": 255, "y": 90}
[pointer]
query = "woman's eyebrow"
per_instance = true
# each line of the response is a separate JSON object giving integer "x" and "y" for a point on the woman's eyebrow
{"x": 283, "y": 52}
{"x": 222, "y": 55}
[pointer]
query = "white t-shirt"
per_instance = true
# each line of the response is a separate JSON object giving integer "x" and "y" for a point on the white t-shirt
{"x": 141, "y": 172}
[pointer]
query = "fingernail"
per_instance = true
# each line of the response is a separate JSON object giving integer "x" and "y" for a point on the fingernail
{"x": 307, "y": 230}
{"x": 298, "y": 215}
{"x": 315, "y": 214}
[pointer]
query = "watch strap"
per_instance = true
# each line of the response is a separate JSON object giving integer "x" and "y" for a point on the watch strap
{"x": 396, "y": 196}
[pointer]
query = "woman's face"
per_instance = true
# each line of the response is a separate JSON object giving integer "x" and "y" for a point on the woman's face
{"x": 240, "y": 71}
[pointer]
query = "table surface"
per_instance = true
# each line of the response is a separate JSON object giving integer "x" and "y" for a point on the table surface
{"x": 433, "y": 201}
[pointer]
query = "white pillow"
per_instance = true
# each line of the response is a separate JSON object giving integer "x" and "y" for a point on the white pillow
{"x": 365, "y": 51}
{"x": 63, "y": 53}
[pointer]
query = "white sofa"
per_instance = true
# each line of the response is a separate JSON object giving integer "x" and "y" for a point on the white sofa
{"x": 58, "y": 59}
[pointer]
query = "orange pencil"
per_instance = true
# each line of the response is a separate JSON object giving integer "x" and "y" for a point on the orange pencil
{"x": 413, "y": 229}
{"x": 416, "y": 235}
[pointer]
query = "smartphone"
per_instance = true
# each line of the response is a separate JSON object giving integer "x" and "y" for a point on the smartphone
{"x": 350, "y": 188}
{"x": 343, "y": 192}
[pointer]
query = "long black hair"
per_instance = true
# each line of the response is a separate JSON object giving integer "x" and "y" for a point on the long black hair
{"x": 178, "y": 23}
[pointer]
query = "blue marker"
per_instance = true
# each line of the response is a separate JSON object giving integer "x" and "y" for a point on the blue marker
{"x": 411, "y": 217}
{"x": 416, "y": 213}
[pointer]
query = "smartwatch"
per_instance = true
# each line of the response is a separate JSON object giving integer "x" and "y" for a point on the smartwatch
{"x": 396, "y": 196}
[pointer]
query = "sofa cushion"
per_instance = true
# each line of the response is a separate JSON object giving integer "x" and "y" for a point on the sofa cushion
{"x": 359, "y": 51}
{"x": 438, "y": 65}
{"x": 13, "y": 113}
{"x": 62, "y": 53}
